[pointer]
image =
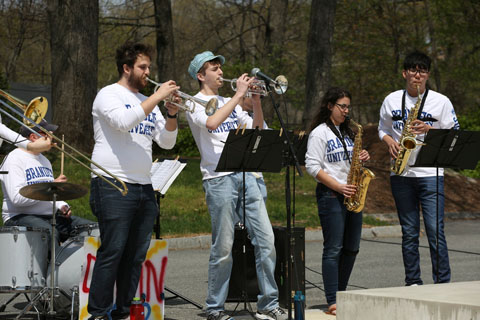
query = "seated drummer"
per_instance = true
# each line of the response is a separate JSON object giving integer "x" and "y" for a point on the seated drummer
{"x": 24, "y": 168}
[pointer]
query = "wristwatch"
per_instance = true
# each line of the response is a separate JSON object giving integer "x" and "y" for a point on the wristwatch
{"x": 175, "y": 116}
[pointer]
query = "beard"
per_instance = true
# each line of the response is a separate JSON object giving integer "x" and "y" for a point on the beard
{"x": 136, "y": 82}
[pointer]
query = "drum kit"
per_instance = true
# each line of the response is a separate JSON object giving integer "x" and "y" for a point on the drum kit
{"x": 24, "y": 266}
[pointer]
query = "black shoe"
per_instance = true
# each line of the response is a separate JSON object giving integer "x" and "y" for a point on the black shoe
{"x": 119, "y": 315}
{"x": 104, "y": 317}
{"x": 219, "y": 316}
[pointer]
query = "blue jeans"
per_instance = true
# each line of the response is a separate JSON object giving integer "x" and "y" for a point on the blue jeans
{"x": 263, "y": 191}
{"x": 63, "y": 229}
{"x": 125, "y": 224}
{"x": 222, "y": 195}
{"x": 341, "y": 230}
{"x": 410, "y": 195}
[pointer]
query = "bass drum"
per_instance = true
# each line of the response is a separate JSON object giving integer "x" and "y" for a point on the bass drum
{"x": 23, "y": 262}
{"x": 68, "y": 272}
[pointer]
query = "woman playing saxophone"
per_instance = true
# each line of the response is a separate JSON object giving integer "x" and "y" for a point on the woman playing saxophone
{"x": 328, "y": 160}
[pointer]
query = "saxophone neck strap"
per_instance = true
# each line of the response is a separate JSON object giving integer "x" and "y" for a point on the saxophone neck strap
{"x": 339, "y": 136}
{"x": 419, "y": 116}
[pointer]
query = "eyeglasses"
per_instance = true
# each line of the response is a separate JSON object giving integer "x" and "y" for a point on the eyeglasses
{"x": 413, "y": 71}
{"x": 344, "y": 107}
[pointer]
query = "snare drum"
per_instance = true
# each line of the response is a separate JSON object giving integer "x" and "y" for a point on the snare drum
{"x": 23, "y": 262}
{"x": 86, "y": 230}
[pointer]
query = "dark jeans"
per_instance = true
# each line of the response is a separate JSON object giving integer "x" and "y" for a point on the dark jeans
{"x": 125, "y": 224}
{"x": 63, "y": 229}
{"x": 410, "y": 195}
{"x": 341, "y": 240}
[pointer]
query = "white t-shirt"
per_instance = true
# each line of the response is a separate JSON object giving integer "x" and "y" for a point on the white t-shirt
{"x": 211, "y": 143}
{"x": 325, "y": 152}
{"x": 12, "y": 136}
{"x": 437, "y": 106}
{"x": 25, "y": 169}
{"x": 123, "y": 134}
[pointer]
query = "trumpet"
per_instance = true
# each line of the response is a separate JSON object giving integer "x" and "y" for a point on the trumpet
{"x": 30, "y": 123}
{"x": 210, "y": 106}
{"x": 259, "y": 87}
{"x": 34, "y": 110}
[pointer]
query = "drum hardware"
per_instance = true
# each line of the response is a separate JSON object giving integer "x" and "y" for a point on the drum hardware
{"x": 50, "y": 191}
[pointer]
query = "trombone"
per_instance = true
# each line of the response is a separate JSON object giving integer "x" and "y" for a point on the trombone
{"x": 210, "y": 105}
{"x": 39, "y": 114}
{"x": 35, "y": 110}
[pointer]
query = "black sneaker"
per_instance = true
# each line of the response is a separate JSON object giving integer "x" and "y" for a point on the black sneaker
{"x": 119, "y": 315}
{"x": 219, "y": 316}
{"x": 104, "y": 317}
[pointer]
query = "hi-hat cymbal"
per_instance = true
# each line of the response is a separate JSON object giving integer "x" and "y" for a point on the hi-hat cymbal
{"x": 45, "y": 191}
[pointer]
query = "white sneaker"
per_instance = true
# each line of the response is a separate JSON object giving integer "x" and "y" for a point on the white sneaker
{"x": 275, "y": 314}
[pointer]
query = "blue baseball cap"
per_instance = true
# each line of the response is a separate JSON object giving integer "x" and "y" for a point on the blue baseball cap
{"x": 197, "y": 62}
{"x": 24, "y": 131}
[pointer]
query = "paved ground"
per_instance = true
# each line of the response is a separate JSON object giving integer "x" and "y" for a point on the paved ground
{"x": 379, "y": 264}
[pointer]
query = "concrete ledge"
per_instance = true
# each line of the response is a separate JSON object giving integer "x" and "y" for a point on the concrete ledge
{"x": 436, "y": 301}
{"x": 204, "y": 241}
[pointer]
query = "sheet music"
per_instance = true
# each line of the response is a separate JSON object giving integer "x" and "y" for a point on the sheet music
{"x": 164, "y": 173}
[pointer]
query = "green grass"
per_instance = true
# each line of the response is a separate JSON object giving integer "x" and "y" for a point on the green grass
{"x": 184, "y": 211}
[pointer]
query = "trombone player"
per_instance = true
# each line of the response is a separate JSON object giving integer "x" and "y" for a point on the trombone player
{"x": 125, "y": 124}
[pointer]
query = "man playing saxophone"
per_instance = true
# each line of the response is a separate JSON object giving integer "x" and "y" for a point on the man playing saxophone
{"x": 415, "y": 187}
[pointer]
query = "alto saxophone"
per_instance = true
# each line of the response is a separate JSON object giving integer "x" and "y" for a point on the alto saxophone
{"x": 408, "y": 140}
{"x": 358, "y": 175}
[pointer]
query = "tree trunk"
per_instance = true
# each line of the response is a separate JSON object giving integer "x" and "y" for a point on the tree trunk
{"x": 165, "y": 45}
{"x": 274, "y": 47}
{"x": 319, "y": 55}
{"x": 74, "y": 46}
{"x": 433, "y": 41}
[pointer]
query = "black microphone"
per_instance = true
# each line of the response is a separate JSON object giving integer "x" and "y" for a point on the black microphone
{"x": 259, "y": 74}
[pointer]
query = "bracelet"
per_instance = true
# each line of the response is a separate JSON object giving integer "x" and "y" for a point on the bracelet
{"x": 175, "y": 116}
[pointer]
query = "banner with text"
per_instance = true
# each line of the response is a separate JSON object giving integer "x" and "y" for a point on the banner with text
{"x": 151, "y": 284}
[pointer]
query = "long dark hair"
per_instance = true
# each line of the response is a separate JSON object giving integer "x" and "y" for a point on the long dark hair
{"x": 323, "y": 115}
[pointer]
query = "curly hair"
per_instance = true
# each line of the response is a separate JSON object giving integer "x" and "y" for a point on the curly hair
{"x": 128, "y": 53}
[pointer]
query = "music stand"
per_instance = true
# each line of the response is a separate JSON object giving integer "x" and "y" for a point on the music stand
{"x": 250, "y": 150}
{"x": 160, "y": 191}
{"x": 175, "y": 294}
{"x": 448, "y": 148}
{"x": 50, "y": 191}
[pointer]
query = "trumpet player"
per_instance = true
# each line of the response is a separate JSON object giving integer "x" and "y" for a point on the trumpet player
{"x": 416, "y": 187}
{"x": 125, "y": 124}
{"x": 223, "y": 190}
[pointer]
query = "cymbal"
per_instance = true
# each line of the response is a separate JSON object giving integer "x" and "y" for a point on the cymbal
{"x": 45, "y": 191}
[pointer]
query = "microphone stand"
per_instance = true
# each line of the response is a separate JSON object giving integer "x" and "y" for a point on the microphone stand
{"x": 289, "y": 156}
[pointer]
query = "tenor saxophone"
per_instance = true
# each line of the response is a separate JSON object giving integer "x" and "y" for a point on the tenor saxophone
{"x": 358, "y": 175}
{"x": 408, "y": 141}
